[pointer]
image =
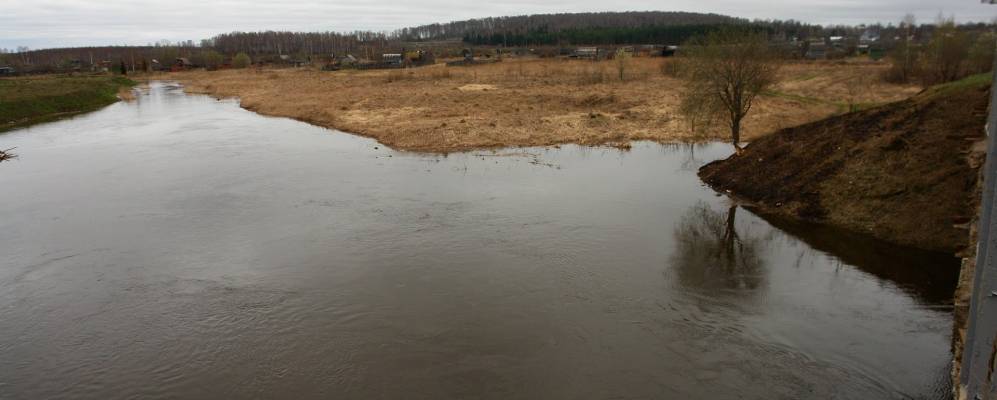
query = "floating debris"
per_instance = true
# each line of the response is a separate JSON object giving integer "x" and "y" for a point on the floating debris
{"x": 7, "y": 155}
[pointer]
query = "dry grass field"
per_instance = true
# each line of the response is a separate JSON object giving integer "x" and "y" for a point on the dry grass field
{"x": 529, "y": 102}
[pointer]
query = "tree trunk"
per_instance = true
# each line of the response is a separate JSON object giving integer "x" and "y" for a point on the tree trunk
{"x": 735, "y": 134}
{"x": 729, "y": 238}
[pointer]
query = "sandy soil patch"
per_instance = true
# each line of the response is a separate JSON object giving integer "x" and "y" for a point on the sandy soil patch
{"x": 477, "y": 87}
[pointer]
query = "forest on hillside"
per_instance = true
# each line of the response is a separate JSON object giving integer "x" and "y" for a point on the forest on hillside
{"x": 554, "y": 23}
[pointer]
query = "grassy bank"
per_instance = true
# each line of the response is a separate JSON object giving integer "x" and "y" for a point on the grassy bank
{"x": 30, "y": 100}
{"x": 528, "y": 102}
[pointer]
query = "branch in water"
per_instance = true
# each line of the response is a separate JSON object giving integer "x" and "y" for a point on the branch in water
{"x": 7, "y": 155}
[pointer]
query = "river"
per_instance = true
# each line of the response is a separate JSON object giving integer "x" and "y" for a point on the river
{"x": 181, "y": 247}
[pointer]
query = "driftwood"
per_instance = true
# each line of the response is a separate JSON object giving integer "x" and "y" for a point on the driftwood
{"x": 7, "y": 155}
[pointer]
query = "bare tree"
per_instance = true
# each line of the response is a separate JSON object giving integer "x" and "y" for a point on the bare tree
{"x": 945, "y": 56}
{"x": 981, "y": 53}
{"x": 700, "y": 112}
{"x": 622, "y": 63}
{"x": 908, "y": 25}
{"x": 904, "y": 56}
{"x": 725, "y": 71}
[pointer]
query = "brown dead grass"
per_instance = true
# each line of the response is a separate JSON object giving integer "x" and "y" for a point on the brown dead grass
{"x": 521, "y": 102}
{"x": 126, "y": 94}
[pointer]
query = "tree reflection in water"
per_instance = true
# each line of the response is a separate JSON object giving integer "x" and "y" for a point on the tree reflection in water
{"x": 712, "y": 255}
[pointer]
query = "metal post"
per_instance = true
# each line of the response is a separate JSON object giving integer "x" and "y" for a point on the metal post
{"x": 980, "y": 350}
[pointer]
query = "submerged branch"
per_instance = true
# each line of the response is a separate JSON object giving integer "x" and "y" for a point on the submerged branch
{"x": 7, "y": 155}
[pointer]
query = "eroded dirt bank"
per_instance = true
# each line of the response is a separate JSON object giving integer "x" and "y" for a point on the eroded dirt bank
{"x": 905, "y": 172}
{"x": 527, "y": 102}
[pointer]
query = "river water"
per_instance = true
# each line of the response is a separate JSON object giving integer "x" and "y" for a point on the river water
{"x": 181, "y": 247}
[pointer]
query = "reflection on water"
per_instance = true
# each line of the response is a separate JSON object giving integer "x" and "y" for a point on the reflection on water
{"x": 713, "y": 255}
{"x": 929, "y": 276}
{"x": 180, "y": 247}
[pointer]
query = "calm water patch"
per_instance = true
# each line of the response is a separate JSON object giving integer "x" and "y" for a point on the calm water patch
{"x": 181, "y": 247}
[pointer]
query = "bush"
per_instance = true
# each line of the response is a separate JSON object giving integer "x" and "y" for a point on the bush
{"x": 209, "y": 59}
{"x": 241, "y": 60}
{"x": 952, "y": 54}
{"x": 981, "y": 54}
{"x": 622, "y": 63}
{"x": 944, "y": 58}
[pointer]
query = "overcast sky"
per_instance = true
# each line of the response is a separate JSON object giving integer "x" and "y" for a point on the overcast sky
{"x": 65, "y": 23}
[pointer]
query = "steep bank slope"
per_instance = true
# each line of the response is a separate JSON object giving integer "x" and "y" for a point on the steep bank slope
{"x": 905, "y": 172}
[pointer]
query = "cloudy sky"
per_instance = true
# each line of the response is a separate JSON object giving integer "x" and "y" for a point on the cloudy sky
{"x": 63, "y": 23}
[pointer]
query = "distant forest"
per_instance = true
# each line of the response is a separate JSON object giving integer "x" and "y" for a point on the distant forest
{"x": 608, "y": 28}
{"x": 298, "y": 43}
{"x": 540, "y": 29}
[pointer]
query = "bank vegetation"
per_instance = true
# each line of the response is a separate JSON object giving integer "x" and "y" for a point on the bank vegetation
{"x": 34, "y": 99}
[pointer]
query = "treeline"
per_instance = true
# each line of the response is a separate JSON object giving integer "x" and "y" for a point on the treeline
{"x": 88, "y": 58}
{"x": 945, "y": 53}
{"x": 663, "y": 33}
{"x": 607, "y": 29}
{"x": 299, "y": 43}
{"x": 523, "y": 25}
{"x": 593, "y": 36}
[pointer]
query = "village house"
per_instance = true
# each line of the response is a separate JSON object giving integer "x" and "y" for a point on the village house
{"x": 816, "y": 49}
{"x": 391, "y": 59}
{"x": 336, "y": 63}
{"x": 869, "y": 36}
{"x": 347, "y": 61}
{"x": 837, "y": 42}
{"x": 588, "y": 53}
{"x": 103, "y": 66}
{"x": 180, "y": 64}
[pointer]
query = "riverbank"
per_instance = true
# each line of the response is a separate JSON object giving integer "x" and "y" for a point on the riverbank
{"x": 529, "y": 102}
{"x": 905, "y": 172}
{"x": 30, "y": 100}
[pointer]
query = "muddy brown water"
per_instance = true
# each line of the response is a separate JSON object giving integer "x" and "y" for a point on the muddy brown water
{"x": 181, "y": 247}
